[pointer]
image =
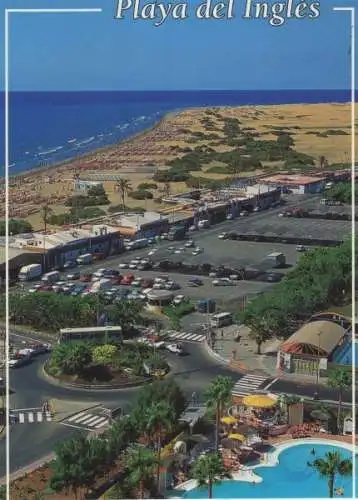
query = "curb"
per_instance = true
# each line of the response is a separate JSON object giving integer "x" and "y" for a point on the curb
{"x": 216, "y": 356}
{"x": 94, "y": 388}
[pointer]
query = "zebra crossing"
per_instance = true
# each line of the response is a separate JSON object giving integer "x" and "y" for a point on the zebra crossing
{"x": 188, "y": 337}
{"x": 87, "y": 420}
{"x": 248, "y": 384}
{"x": 30, "y": 416}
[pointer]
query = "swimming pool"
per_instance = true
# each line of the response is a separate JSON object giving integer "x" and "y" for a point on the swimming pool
{"x": 291, "y": 478}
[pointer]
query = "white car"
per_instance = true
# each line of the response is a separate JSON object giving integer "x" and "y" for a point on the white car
{"x": 197, "y": 251}
{"x": 234, "y": 277}
{"x": 99, "y": 273}
{"x": 229, "y": 217}
{"x": 137, "y": 282}
{"x": 132, "y": 266}
{"x": 222, "y": 236}
{"x": 175, "y": 348}
{"x": 161, "y": 279}
{"x": 257, "y": 209}
{"x": 192, "y": 229}
{"x": 178, "y": 299}
{"x": 158, "y": 286}
{"x": 244, "y": 213}
{"x": 177, "y": 251}
{"x": 152, "y": 252}
{"x": 189, "y": 244}
{"x": 123, "y": 265}
{"x": 223, "y": 282}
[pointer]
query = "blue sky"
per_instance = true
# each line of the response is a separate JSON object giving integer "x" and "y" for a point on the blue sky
{"x": 96, "y": 52}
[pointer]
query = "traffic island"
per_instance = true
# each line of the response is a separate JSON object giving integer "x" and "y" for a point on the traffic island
{"x": 121, "y": 381}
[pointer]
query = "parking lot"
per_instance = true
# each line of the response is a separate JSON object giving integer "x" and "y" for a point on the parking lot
{"x": 228, "y": 253}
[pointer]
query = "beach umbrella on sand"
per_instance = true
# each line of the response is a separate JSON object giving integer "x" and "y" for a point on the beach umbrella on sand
{"x": 229, "y": 420}
{"x": 259, "y": 401}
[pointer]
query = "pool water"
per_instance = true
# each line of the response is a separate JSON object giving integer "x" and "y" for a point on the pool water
{"x": 291, "y": 478}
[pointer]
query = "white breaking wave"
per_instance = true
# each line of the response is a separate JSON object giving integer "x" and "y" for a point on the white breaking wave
{"x": 50, "y": 151}
{"x": 86, "y": 141}
{"x": 71, "y": 140}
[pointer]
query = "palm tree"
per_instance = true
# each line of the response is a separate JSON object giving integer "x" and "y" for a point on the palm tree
{"x": 209, "y": 470}
{"x": 46, "y": 213}
{"x": 124, "y": 186}
{"x": 218, "y": 394}
{"x": 160, "y": 419}
{"x": 140, "y": 464}
{"x": 330, "y": 466}
{"x": 340, "y": 379}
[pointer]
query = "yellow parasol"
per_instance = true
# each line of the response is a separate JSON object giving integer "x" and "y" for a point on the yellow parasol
{"x": 228, "y": 420}
{"x": 259, "y": 401}
{"x": 236, "y": 437}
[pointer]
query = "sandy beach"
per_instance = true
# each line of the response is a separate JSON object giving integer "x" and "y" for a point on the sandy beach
{"x": 137, "y": 158}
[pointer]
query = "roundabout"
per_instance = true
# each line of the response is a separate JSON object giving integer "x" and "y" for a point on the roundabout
{"x": 32, "y": 441}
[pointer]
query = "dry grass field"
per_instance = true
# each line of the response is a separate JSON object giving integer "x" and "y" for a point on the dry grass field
{"x": 317, "y": 130}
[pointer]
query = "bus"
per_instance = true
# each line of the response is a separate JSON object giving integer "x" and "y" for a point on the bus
{"x": 96, "y": 334}
{"x": 221, "y": 319}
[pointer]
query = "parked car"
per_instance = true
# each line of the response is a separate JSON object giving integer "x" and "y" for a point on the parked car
{"x": 175, "y": 349}
{"x": 86, "y": 277}
{"x": 75, "y": 275}
{"x": 197, "y": 251}
{"x": 70, "y": 264}
{"x": 195, "y": 282}
{"x": 223, "y": 282}
{"x": 223, "y": 236}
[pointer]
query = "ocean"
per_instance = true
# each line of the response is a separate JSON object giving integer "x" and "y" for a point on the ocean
{"x": 50, "y": 127}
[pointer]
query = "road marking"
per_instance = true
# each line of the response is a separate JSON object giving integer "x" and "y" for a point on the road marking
{"x": 248, "y": 384}
{"x": 74, "y": 417}
{"x": 26, "y": 409}
{"x": 21, "y": 418}
{"x": 76, "y": 427}
{"x": 98, "y": 420}
{"x": 270, "y": 384}
{"x": 39, "y": 416}
{"x": 78, "y": 420}
{"x": 101, "y": 424}
{"x": 30, "y": 417}
{"x": 89, "y": 420}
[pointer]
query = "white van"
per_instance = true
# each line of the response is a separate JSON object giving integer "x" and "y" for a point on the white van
{"x": 51, "y": 277}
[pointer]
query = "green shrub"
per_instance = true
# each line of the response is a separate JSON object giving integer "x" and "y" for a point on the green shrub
{"x": 140, "y": 195}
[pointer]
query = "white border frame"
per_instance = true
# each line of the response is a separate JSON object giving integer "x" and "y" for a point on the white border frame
{"x": 7, "y": 156}
{"x": 352, "y": 11}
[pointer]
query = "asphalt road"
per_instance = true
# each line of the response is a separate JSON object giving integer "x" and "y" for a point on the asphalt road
{"x": 194, "y": 373}
{"x": 30, "y": 442}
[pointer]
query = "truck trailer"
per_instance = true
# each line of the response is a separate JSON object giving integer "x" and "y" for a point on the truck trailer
{"x": 30, "y": 272}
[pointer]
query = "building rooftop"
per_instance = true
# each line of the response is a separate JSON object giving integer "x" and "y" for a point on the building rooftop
{"x": 292, "y": 179}
{"x": 138, "y": 220}
{"x": 40, "y": 241}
